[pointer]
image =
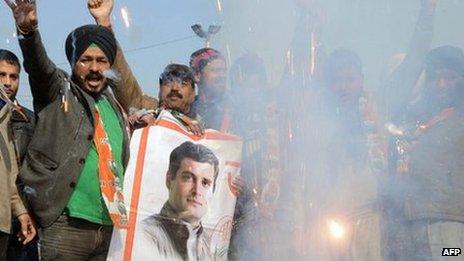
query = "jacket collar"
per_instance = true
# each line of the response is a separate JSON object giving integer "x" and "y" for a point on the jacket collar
{"x": 4, "y": 113}
{"x": 178, "y": 230}
{"x": 168, "y": 214}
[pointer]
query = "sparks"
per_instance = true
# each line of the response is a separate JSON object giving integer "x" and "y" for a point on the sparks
{"x": 313, "y": 53}
{"x": 125, "y": 16}
{"x": 290, "y": 58}
{"x": 219, "y": 5}
{"x": 228, "y": 53}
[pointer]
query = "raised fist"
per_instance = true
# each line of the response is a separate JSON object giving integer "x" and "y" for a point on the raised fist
{"x": 25, "y": 14}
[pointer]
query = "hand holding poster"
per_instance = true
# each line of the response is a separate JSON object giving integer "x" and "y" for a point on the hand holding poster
{"x": 180, "y": 200}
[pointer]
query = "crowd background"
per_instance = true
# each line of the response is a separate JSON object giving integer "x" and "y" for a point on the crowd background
{"x": 313, "y": 120}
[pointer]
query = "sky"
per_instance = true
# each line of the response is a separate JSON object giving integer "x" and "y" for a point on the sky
{"x": 163, "y": 23}
{"x": 160, "y": 33}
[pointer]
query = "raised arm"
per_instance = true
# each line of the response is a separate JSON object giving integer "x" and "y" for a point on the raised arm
{"x": 43, "y": 73}
{"x": 400, "y": 84}
{"x": 127, "y": 90}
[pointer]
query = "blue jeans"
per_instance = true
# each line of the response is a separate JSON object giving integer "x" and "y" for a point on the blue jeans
{"x": 74, "y": 239}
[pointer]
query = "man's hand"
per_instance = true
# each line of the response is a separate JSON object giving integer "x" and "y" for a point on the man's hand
{"x": 193, "y": 125}
{"x": 28, "y": 231}
{"x": 25, "y": 15}
{"x": 101, "y": 11}
{"x": 141, "y": 119}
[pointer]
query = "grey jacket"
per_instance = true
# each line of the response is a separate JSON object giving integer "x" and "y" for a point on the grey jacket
{"x": 434, "y": 185}
{"x": 61, "y": 141}
{"x": 23, "y": 129}
{"x": 10, "y": 202}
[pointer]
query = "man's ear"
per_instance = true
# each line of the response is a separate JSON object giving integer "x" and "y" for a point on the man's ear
{"x": 192, "y": 97}
{"x": 197, "y": 77}
{"x": 168, "y": 180}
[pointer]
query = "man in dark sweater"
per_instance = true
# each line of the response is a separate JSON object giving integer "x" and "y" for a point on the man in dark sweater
{"x": 210, "y": 70}
{"x": 73, "y": 171}
{"x": 425, "y": 150}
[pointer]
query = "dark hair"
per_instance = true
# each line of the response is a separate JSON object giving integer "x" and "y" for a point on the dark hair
{"x": 341, "y": 59}
{"x": 448, "y": 57}
{"x": 10, "y": 58}
{"x": 196, "y": 152}
{"x": 180, "y": 71}
{"x": 200, "y": 58}
{"x": 246, "y": 65}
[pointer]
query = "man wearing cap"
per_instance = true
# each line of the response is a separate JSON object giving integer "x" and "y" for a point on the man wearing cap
{"x": 73, "y": 171}
{"x": 210, "y": 70}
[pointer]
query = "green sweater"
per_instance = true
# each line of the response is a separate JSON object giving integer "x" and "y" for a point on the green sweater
{"x": 86, "y": 201}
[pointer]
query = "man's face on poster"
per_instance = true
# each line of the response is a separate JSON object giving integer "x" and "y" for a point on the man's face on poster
{"x": 191, "y": 189}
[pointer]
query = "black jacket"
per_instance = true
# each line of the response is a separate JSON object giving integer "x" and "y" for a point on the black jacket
{"x": 61, "y": 141}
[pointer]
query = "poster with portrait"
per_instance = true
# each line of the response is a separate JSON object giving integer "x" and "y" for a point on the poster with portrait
{"x": 146, "y": 192}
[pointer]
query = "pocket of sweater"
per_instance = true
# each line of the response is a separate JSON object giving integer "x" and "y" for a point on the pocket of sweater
{"x": 39, "y": 161}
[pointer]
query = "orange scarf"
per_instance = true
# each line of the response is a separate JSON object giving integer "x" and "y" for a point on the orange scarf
{"x": 110, "y": 185}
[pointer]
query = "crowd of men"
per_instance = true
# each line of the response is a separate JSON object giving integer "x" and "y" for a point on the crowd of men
{"x": 350, "y": 177}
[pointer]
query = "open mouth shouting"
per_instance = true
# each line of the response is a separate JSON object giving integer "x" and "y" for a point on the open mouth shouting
{"x": 94, "y": 80}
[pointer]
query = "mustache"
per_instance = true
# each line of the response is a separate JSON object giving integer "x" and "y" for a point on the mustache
{"x": 175, "y": 94}
{"x": 94, "y": 76}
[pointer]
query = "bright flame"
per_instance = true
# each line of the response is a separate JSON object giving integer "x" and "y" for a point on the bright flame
{"x": 393, "y": 129}
{"x": 336, "y": 229}
{"x": 125, "y": 16}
